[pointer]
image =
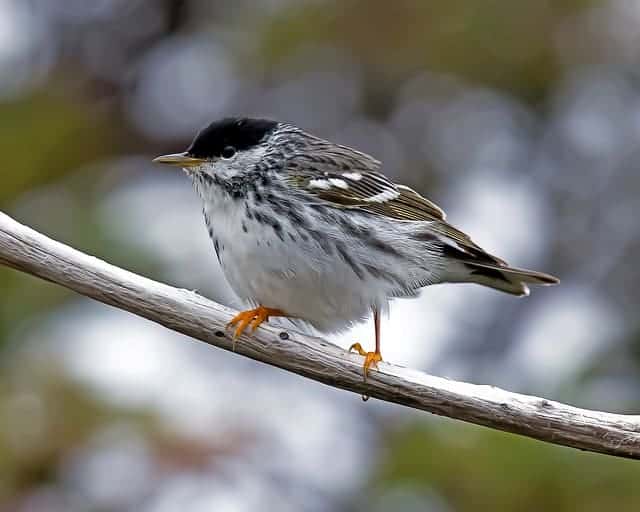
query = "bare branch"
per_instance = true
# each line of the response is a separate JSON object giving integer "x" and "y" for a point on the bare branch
{"x": 191, "y": 314}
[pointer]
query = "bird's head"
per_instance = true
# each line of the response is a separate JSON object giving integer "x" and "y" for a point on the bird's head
{"x": 225, "y": 148}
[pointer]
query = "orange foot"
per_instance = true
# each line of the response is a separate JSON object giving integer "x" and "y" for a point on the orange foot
{"x": 370, "y": 358}
{"x": 252, "y": 317}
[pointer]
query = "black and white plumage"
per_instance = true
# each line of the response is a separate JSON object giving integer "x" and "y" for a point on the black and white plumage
{"x": 313, "y": 229}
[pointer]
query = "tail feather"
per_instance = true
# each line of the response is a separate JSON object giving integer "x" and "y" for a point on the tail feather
{"x": 470, "y": 263}
{"x": 507, "y": 279}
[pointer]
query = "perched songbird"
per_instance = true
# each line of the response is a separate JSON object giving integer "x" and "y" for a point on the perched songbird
{"x": 308, "y": 229}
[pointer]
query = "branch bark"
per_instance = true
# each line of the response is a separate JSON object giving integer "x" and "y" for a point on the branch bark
{"x": 189, "y": 313}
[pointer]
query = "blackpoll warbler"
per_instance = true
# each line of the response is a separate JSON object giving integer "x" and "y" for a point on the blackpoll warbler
{"x": 309, "y": 229}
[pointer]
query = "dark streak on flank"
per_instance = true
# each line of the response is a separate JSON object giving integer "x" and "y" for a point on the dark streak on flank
{"x": 319, "y": 209}
{"x": 280, "y": 205}
{"x": 266, "y": 218}
{"x": 277, "y": 227}
{"x": 322, "y": 241}
{"x": 348, "y": 260}
{"x": 216, "y": 246}
{"x": 381, "y": 246}
{"x": 353, "y": 229}
{"x": 297, "y": 219}
{"x": 380, "y": 274}
{"x": 425, "y": 236}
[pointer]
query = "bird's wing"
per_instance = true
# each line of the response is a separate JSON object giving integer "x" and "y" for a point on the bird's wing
{"x": 350, "y": 179}
{"x": 347, "y": 178}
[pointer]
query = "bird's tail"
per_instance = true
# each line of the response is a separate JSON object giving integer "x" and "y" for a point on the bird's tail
{"x": 506, "y": 279}
{"x": 467, "y": 262}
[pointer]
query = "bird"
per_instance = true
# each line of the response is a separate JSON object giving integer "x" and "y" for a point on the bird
{"x": 311, "y": 230}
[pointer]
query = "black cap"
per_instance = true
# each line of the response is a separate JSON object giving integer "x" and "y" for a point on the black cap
{"x": 238, "y": 132}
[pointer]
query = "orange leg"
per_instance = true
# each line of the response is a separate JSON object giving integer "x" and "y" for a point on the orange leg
{"x": 370, "y": 358}
{"x": 252, "y": 318}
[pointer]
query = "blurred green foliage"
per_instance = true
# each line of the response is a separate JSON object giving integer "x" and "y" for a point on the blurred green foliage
{"x": 505, "y": 44}
{"x": 44, "y": 418}
{"x": 44, "y": 136}
{"x": 481, "y": 469}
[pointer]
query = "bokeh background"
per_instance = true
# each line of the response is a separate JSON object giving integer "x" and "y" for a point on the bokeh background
{"x": 520, "y": 117}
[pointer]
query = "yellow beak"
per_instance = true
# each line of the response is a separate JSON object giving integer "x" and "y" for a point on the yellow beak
{"x": 179, "y": 160}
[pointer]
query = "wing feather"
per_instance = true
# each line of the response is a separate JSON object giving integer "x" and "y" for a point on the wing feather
{"x": 350, "y": 179}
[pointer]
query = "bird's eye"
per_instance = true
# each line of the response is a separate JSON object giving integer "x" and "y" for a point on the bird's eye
{"x": 228, "y": 152}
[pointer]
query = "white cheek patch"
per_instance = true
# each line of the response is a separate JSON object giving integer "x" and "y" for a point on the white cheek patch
{"x": 227, "y": 168}
{"x": 381, "y": 197}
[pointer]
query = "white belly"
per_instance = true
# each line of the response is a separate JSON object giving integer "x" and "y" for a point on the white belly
{"x": 289, "y": 274}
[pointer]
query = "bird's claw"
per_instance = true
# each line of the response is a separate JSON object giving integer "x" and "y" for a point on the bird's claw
{"x": 371, "y": 359}
{"x": 251, "y": 318}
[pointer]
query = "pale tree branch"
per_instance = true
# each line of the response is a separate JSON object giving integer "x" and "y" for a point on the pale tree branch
{"x": 189, "y": 313}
